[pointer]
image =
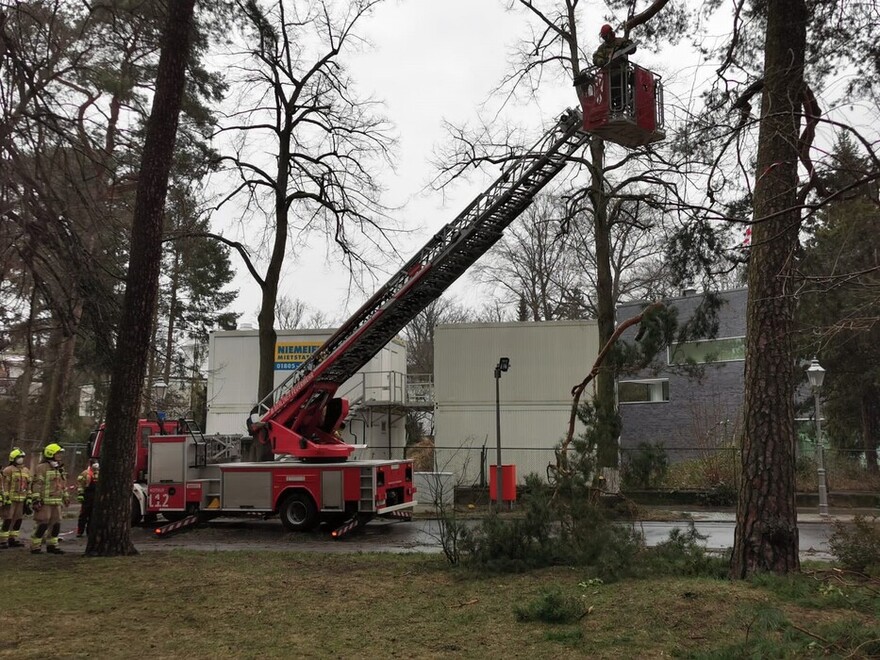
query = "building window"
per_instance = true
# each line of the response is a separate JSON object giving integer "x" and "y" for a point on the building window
{"x": 643, "y": 391}
{"x": 729, "y": 349}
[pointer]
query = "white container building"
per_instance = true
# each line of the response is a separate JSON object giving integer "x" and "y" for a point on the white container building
{"x": 546, "y": 361}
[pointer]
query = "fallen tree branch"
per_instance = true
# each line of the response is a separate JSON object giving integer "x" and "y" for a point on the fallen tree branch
{"x": 578, "y": 390}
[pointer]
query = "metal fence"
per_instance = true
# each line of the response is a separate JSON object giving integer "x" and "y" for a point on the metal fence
{"x": 655, "y": 468}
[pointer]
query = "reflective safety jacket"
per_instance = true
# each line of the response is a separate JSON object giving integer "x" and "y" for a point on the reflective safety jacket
{"x": 16, "y": 482}
{"x": 87, "y": 480}
{"x": 49, "y": 485}
{"x": 618, "y": 50}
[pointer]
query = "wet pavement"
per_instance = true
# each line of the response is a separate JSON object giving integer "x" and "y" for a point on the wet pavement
{"x": 420, "y": 535}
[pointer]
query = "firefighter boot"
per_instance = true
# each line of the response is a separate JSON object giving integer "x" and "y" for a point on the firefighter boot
{"x": 13, "y": 535}
{"x": 53, "y": 540}
{"x": 37, "y": 538}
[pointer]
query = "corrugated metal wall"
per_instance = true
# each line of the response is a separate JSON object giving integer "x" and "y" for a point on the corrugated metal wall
{"x": 546, "y": 361}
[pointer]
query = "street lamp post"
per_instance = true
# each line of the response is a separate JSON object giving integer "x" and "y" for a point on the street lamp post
{"x": 503, "y": 365}
{"x": 816, "y": 374}
{"x": 159, "y": 389}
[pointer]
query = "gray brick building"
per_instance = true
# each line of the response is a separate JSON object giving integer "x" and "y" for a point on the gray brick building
{"x": 690, "y": 414}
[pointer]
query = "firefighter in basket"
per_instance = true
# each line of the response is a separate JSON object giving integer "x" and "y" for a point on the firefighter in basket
{"x": 15, "y": 483}
{"x": 613, "y": 54}
{"x": 86, "y": 486}
{"x": 49, "y": 495}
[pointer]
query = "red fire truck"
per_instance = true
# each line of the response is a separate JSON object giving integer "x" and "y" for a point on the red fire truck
{"x": 188, "y": 477}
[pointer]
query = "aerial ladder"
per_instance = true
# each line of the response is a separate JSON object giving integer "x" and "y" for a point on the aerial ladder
{"x": 299, "y": 418}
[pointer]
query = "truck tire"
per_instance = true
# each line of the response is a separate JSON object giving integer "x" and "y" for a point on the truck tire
{"x": 135, "y": 511}
{"x": 174, "y": 516}
{"x": 298, "y": 512}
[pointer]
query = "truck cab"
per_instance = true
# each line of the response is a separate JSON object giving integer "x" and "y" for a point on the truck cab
{"x": 146, "y": 428}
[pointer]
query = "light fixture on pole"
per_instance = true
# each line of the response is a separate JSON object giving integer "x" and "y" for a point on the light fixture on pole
{"x": 503, "y": 365}
{"x": 816, "y": 374}
{"x": 159, "y": 389}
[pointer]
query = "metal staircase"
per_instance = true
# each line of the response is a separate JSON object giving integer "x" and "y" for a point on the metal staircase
{"x": 434, "y": 268}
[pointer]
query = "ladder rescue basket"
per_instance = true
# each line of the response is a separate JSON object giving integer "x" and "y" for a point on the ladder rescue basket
{"x": 622, "y": 104}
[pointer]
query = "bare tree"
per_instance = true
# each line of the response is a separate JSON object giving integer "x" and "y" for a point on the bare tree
{"x": 532, "y": 265}
{"x": 419, "y": 333}
{"x": 637, "y": 250}
{"x": 297, "y": 103}
{"x": 289, "y": 313}
{"x": 293, "y": 313}
{"x": 546, "y": 262}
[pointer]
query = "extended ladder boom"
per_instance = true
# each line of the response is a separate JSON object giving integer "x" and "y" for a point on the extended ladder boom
{"x": 296, "y": 412}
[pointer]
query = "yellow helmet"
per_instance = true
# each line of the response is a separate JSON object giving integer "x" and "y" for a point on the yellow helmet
{"x": 15, "y": 453}
{"x": 51, "y": 450}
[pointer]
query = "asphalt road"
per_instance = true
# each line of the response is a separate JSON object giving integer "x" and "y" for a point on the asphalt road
{"x": 421, "y": 535}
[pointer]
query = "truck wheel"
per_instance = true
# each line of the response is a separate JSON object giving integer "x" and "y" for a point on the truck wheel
{"x": 298, "y": 512}
{"x": 174, "y": 516}
{"x": 135, "y": 511}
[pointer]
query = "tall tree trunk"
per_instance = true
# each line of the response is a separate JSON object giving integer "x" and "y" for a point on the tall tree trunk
{"x": 268, "y": 337}
{"x": 110, "y": 534}
{"x": 266, "y": 317}
{"x": 766, "y": 536}
{"x": 27, "y": 376}
{"x": 871, "y": 426}
{"x": 606, "y": 406}
{"x": 172, "y": 311}
{"x": 57, "y": 391}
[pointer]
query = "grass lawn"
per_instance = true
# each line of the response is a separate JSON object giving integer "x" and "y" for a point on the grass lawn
{"x": 309, "y": 605}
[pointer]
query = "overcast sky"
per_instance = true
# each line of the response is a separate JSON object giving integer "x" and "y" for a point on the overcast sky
{"x": 429, "y": 61}
{"x": 432, "y": 61}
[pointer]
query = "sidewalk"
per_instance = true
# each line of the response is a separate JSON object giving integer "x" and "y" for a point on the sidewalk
{"x": 804, "y": 516}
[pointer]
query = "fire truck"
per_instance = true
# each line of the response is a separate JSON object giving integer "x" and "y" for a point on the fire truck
{"x": 187, "y": 477}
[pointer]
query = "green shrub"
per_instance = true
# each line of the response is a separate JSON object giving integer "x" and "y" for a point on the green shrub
{"x": 857, "y": 547}
{"x": 646, "y": 467}
{"x": 719, "y": 494}
{"x": 509, "y": 545}
{"x": 574, "y": 531}
{"x": 592, "y": 539}
{"x": 551, "y": 607}
{"x": 715, "y": 466}
{"x": 683, "y": 553}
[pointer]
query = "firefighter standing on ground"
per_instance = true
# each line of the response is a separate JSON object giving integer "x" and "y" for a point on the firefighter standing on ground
{"x": 86, "y": 485}
{"x": 49, "y": 494}
{"x": 15, "y": 482}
